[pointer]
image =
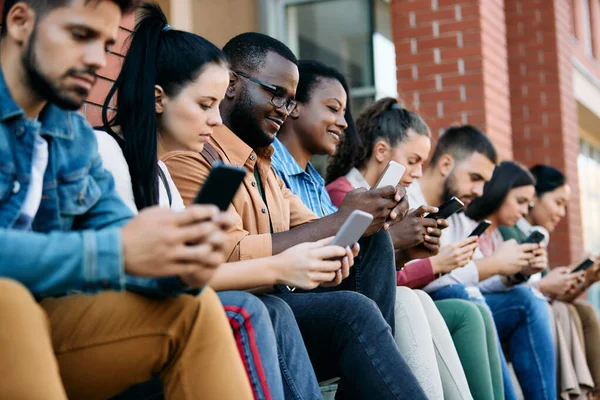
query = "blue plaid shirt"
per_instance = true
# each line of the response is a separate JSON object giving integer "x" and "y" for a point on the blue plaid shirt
{"x": 308, "y": 185}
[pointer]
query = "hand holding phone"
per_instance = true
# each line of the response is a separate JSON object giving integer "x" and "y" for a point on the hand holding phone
{"x": 391, "y": 176}
{"x": 352, "y": 229}
{"x": 535, "y": 237}
{"x": 221, "y": 185}
{"x": 483, "y": 225}
{"x": 447, "y": 209}
{"x": 584, "y": 265}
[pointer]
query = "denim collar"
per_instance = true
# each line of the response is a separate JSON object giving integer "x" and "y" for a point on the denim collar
{"x": 54, "y": 121}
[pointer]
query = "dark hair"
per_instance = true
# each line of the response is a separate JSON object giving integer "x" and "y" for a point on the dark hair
{"x": 42, "y": 7}
{"x": 385, "y": 119}
{"x": 547, "y": 179}
{"x": 311, "y": 74}
{"x": 508, "y": 175}
{"x": 461, "y": 142}
{"x": 157, "y": 55}
{"x": 247, "y": 51}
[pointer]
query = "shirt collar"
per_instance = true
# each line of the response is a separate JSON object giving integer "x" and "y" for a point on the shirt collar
{"x": 236, "y": 150}
{"x": 357, "y": 180}
{"x": 292, "y": 166}
{"x": 54, "y": 121}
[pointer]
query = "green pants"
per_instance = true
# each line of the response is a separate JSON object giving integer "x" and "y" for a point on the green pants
{"x": 474, "y": 336}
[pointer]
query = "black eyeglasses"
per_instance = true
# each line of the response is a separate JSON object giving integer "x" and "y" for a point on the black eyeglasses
{"x": 279, "y": 99}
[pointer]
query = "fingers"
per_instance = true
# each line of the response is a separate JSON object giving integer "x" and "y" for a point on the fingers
{"x": 432, "y": 240}
{"x": 196, "y": 232}
{"x": 421, "y": 211}
{"x": 435, "y": 232}
{"x": 469, "y": 241}
{"x": 528, "y": 247}
{"x": 356, "y": 249}
{"x": 227, "y": 220}
{"x": 202, "y": 255}
{"x": 349, "y": 258}
{"x": 385, "y": 192}
{"x": 327, "y": 252}
{"x": 196, "y": 213}
{"x": 442, "y": 224}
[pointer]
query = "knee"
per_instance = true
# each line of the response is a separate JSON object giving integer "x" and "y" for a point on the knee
{"x": 281, "y": 314}
{"x": 525, "y": 296}
{"x": 356, "y": 308}
{"x": 407, "y": 299}
{"x": 243, "y": 305}
{"x": 13, "y": 293}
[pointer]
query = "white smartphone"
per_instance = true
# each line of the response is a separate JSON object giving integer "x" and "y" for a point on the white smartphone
{"x": 391, "y": 176}
{"x": 352, "y": 229}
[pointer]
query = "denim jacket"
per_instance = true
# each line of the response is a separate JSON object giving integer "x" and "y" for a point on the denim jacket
{"x": 75, "y": 242}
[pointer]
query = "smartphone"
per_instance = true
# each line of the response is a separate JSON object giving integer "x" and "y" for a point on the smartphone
{"x": 588, "y": 262}
{"x": 352, "y": 229}
{"x": 447, "y": 209}
{"x": 221, "y": 185}
{"x": 483, "y": 225}
{"x": 535, "y": 237}
{"x": 391, "y": 176}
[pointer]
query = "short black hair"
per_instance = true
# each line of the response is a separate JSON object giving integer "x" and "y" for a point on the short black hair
{"x": 547, "y": 179}
{"x": 42, "y": 7}
{"x": 508, "y": 175}
{"x": 461, "y": 142}
{"x": 247, "y": 52}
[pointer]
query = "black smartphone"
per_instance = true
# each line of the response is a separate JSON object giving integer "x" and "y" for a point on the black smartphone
{"x": 221, "y": 185}
{"x": 483, "y": 225}
{"x": 535, "y": 237}
{"x": 447, "y": 209}
{"x": 588, "y": 262}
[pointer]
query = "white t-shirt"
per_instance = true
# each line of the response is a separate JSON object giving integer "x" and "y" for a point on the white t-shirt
{"x": 458, "y": 225}
{"x": 114, "y": 162}
{"x": 34, "y": 191}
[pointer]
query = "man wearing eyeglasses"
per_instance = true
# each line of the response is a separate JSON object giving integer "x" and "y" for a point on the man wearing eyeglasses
{"x": 346, "y": 324}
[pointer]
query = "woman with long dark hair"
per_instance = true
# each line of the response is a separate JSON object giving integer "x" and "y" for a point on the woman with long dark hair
{"x": 549, "y": 207}
{"x": 167, "y": 99}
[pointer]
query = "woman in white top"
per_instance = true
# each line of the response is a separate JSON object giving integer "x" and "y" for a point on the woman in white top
{"x": 169, "y": 91}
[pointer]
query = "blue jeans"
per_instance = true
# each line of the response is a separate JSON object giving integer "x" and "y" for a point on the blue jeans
{"x": 255, "y": 338}
{"x": 347, "y": 330}
{"x": 522, "y": 321}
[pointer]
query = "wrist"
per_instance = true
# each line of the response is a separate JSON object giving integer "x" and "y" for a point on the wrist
{"x": 436, "y": 266}
{"x": 273, "y": 273}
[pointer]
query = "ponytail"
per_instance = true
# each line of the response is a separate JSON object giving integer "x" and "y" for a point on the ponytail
{"x": 157, "y": 55}
{"x": 385, "y": 119}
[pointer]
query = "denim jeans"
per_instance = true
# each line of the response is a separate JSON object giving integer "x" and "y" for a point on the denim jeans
{"x": 255, "y": 337}
{"x": 347, "y": 330}
{"x": 522, "y": 321}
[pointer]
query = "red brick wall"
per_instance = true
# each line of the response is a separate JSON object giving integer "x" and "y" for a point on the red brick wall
{"x": 451, "y": 58}
{"x": 543, "y": 108}
{"x": 93, "y": 106}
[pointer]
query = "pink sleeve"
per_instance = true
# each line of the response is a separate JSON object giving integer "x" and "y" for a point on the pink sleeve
{"x": 338, "y": 190}
{"x": 415, "y": 275}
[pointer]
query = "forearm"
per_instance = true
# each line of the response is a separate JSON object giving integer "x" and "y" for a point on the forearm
{"x": 54, "y": 263}
{"x": 487, "y": 268}
{"x": 245, "y": 275}
{"x": 310, "y": 232}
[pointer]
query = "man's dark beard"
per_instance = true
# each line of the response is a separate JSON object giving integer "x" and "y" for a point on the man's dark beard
{"x": 43, "y": 86}
{"x": 244, "y": 125}
{"x": 448, "y": 192}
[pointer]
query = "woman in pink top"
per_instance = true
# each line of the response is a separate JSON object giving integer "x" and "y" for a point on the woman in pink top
{"x": 389, "y": 132}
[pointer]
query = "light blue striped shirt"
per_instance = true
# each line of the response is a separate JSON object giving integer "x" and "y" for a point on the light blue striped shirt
{"x": 307, "y": 184}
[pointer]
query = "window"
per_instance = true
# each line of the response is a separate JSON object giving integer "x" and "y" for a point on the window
{"x": 588, "y": 164}
{"x": 587, "y": 27}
